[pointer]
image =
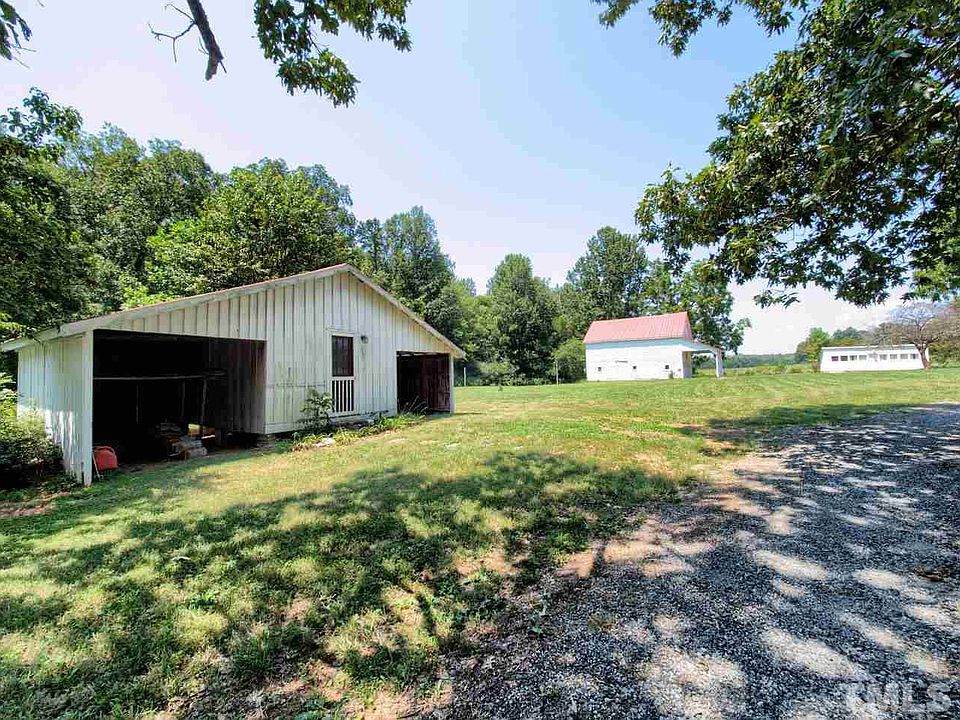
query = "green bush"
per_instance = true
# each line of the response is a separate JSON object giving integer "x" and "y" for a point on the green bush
{"x": 316, "y": 411}
{"x": 496, "y": 373}
{"x": 571, "y": 359}
{"x": 345, "y": 436}
{"x": 26, "y": 452}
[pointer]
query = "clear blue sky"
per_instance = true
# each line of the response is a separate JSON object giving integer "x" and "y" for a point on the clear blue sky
{"x": 520, "y": 126}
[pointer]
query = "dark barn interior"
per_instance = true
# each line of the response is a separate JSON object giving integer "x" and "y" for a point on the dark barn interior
{"x": 423, "y": 382}
{"x": 150, "y": 389}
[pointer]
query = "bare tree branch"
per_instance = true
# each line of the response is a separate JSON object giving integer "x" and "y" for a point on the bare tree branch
{"x": 197, "y": 18}
{"x": 173, "y": 38}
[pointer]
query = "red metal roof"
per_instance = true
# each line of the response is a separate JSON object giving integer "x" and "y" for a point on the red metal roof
{"x": 648, "y": 327}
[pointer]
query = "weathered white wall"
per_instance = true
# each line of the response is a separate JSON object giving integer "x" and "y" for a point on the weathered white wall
{"x": 637, "y": 360}
{"x": 297, "y": 319}
{"x": 50, "y": 381}
{"x": 866, "y": 359}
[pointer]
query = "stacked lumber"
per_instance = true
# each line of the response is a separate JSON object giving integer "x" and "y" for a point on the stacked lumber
{"x": 187, "y": 447}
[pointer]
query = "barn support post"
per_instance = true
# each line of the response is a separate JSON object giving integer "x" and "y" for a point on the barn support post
{"x": 452, "y": 382}
{"x": 86, "y": 409}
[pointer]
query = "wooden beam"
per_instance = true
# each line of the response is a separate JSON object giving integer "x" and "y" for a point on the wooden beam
{"x": 86, "y": 409}
{"x": 193, "y": 376}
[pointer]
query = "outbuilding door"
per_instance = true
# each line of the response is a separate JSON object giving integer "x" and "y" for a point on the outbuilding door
{"x": 423, "y": 382}
{"x": 343, "y": 374}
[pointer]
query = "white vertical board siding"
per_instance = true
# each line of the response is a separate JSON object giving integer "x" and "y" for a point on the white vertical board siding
{"x": 296, "y": 320}
{"x": 50, "y": 381}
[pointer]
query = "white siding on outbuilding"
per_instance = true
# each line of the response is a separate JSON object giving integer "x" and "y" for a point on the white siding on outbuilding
{"x": 51, "y": 382}
{"x": 870, "y": 357}
{"x": 297, "y": 320}
{"x": 295, "y": 317}
{"x": 641, "y": 359}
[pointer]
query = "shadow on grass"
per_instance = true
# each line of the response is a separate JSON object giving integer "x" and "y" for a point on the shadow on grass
{"x": 360, "y": 586}
{"x": 738, "y": 433}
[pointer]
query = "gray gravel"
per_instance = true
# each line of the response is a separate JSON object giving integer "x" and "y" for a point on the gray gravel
{"x": 820, "y": 578}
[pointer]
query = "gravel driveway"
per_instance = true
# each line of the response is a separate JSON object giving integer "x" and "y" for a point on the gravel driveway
{"x": 819, "y": 579}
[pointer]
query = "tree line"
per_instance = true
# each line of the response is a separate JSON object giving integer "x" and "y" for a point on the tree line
{"x": 97, "y": 222}
{"x": 835, "y": 165}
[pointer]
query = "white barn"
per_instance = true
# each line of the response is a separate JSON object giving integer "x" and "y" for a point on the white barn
{"x": 644, "y": 348}
{"x": 238, "y": 360}
{"x": 853, "y": 358}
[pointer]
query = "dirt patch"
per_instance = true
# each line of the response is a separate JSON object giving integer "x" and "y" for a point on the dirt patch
{"x": 35, "y": 506}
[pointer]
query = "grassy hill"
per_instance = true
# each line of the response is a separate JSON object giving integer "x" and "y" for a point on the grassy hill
{"x": 315, "y": 582}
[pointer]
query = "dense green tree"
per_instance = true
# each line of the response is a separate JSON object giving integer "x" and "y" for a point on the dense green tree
{"x": 837, "y": 165}
{"x": 47, "y": 267}
{"x": 847, "y": 336}
{"x": 607, "y": 282}
{"x": 122, "y": 193}
{"x": 571, "y": 360}
{"x": 263, "y": 221}
{"x": 709, "y": 302}
{"x": 524, "y": 310}
{"x": 615, "y": 279}
{"x": 482, "y": 344}
{"x": 368, "y": 237}
{"x": 291, "y": 35}
{"x": 808, "y": 350}
{"x": 452, "y": 313}
{"x": 946, "y": 350}
{"x": 706, "y": 299}
{"x": 179, "y": 264}
{"x": 405, "y": 255}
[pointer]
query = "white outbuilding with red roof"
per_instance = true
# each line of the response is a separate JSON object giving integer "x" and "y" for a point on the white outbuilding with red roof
{"x": 651, "y": 347}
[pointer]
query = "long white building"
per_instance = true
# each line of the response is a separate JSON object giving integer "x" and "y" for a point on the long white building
{"x": 652, "y": 347}
{"x": 856, "y": 358}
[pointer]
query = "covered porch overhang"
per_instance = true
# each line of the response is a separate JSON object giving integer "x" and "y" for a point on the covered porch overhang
{"x": 695, "y": 347}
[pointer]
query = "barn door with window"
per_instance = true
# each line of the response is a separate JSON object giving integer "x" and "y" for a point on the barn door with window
{"x": 343, "y": 378}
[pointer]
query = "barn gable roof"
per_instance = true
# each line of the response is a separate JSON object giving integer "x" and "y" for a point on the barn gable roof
{"x": 80, "y": 326}
{"x": 647, "y": 327}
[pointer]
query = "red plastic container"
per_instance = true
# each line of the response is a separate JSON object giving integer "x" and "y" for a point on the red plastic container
{"x": 105, "y": 458}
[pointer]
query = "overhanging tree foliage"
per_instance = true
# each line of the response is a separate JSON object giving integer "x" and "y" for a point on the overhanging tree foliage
{"x": 837, "y": 165}
{"x": 289, "y": 31}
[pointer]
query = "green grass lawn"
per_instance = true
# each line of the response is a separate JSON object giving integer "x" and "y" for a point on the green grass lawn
{"x": 339, "y": 576}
